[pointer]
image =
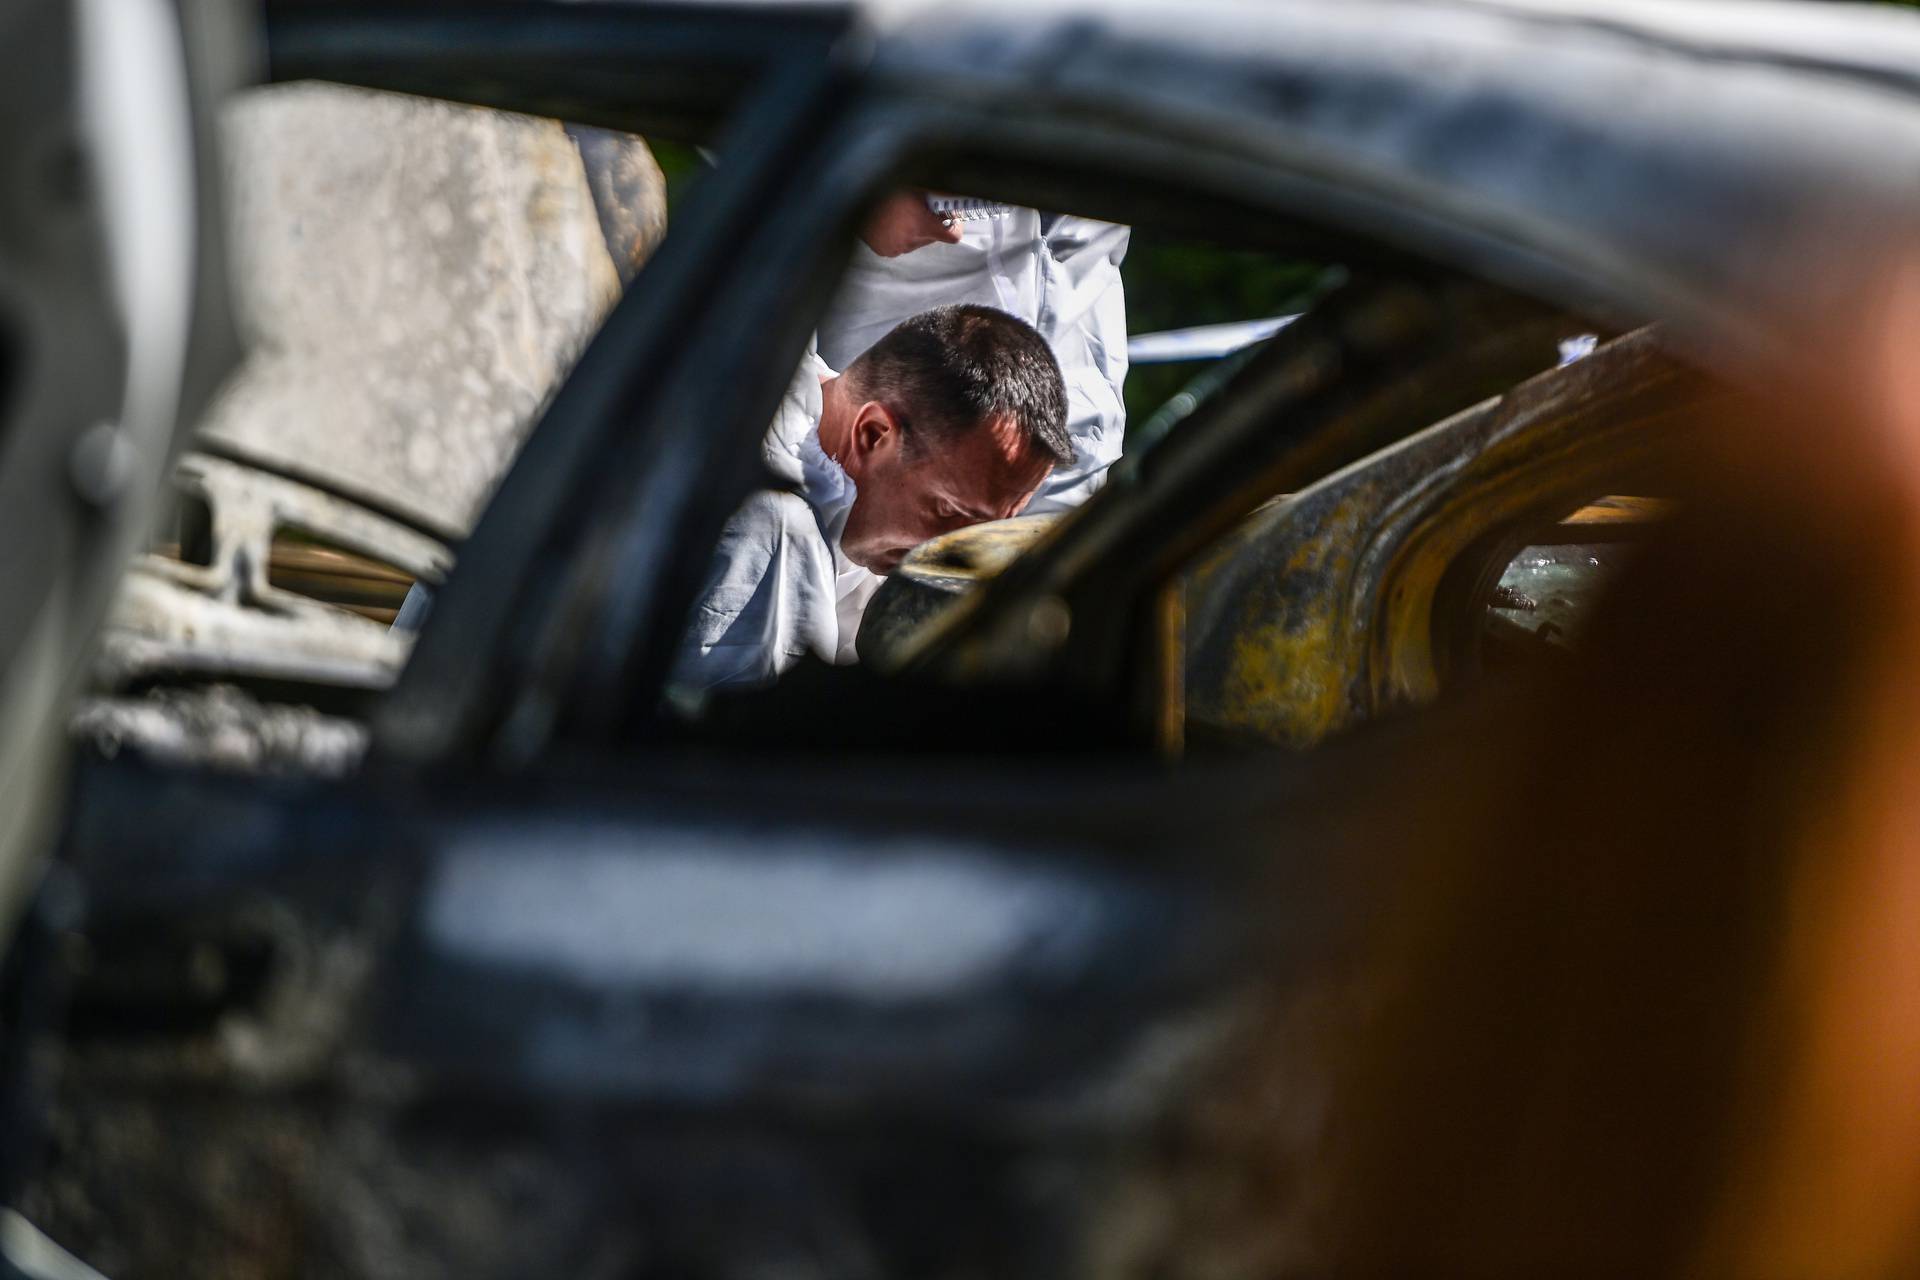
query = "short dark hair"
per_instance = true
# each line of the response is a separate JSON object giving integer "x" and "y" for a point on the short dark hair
{"x": 947, "y": 371}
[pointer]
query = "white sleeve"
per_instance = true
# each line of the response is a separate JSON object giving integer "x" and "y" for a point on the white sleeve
{"x": 769, "y": 598}
{"x": 1084, "y": 316}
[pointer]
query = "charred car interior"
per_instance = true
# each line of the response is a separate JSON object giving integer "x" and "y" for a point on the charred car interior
{"x": 1361, "y": 839}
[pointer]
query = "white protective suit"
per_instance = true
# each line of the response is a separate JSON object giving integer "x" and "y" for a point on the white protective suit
{"x": 779, "y": 585}
{"x": 1059, "y": 274}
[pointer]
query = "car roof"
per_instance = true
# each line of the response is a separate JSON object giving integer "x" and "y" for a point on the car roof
{"x": 1857, "y": 38}
{"x": 1732, "y": 157}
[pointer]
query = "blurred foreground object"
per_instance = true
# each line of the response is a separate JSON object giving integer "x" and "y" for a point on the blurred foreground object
{"x": 1648, "y": 981}
{"x": 113, "y": 328}
{"x": 113, "y": 331}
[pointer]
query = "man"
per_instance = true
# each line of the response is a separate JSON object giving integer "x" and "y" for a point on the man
{"x": 1060, "y": 274}
{"x": 955, "y": 417}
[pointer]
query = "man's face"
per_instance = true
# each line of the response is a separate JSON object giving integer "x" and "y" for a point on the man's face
{"x": 907, "y": 495}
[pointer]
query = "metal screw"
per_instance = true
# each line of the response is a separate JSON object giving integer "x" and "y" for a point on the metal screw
{"x": 101, "y": 464}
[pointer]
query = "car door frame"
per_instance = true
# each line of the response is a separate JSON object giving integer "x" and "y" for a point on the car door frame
{"x": 584, "y": 659}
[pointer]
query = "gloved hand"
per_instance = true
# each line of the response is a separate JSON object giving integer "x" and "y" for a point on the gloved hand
{"x": 903, "y": 223}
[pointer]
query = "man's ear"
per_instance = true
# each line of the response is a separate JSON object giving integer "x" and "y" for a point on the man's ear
{"x": 875, "y": 431}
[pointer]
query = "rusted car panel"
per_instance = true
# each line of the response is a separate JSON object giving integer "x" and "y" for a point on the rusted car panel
{"x": 1376, "y": 361}
{"x": 1361, "y": 595}
{"x": 1357, "y": 597}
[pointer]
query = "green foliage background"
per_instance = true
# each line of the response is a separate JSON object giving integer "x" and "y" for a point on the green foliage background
{"x": 1172, "y": 284}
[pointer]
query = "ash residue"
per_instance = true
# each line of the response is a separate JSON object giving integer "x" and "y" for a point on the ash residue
{"x": 222, "y": 727}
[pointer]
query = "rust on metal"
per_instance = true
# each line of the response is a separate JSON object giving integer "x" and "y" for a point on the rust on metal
{"x": 1325, "y": 609}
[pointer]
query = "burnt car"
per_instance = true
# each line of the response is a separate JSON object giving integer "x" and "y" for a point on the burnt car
{"x": 1050, "y": 939}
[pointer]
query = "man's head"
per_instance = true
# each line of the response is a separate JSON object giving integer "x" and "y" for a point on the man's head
{"x": 955, "y": 417}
